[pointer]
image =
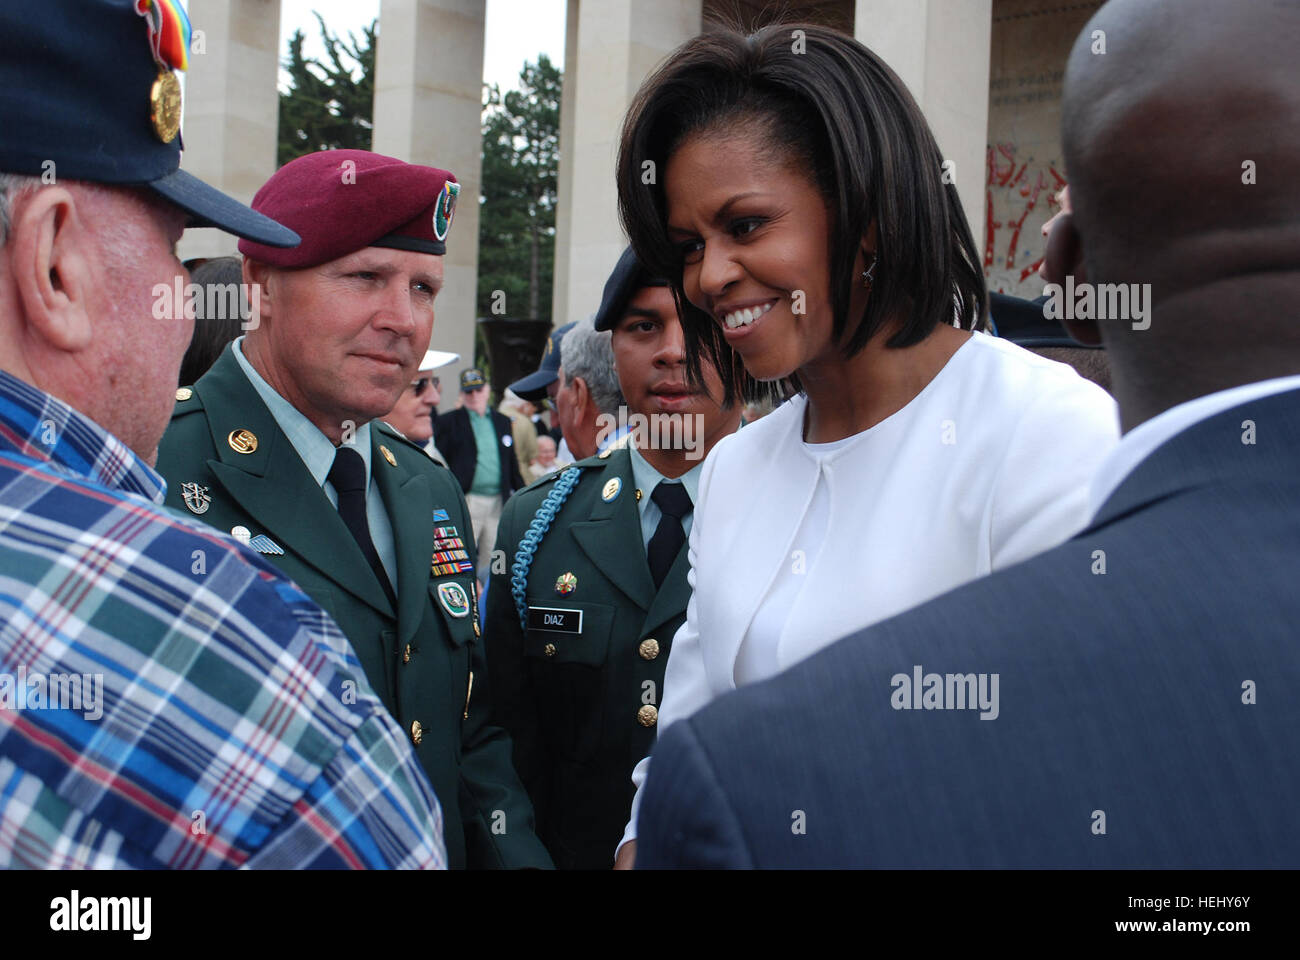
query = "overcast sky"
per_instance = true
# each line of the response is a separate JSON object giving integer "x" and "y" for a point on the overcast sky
{"x": 517, "y": 30}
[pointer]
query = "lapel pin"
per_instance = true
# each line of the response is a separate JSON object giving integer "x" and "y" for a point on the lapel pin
{"x": 241, "y": 533}
{"x": 242, "y": 441}
{"x": 565, "y": 584}
{"x": 612, "y": 487}
{"x": 183, "y": 393}
{"x": 388, "y": 455}
{"x": 196, "y": 497}
{"x": 638, "y": 494}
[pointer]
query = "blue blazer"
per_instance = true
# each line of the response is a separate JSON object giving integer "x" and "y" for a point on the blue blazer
{"x": 1146, "y": 716}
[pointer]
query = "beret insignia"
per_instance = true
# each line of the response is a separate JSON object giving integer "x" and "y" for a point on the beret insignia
{"x": 445, "y": 208}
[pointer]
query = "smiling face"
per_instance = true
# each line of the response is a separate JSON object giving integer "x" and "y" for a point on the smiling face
{"x": 342, "y": 340}
{"x": 754, "y": 234}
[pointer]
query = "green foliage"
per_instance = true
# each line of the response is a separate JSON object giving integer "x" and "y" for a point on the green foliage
{"x": 521, "y": 148}
{"x": 328, "y": 105}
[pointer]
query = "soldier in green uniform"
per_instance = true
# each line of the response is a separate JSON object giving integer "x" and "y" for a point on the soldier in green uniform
{"x": 279, "y": 445}
{"x": 589, "y": 584}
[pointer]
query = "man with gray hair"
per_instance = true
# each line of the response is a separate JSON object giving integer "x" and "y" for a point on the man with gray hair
{"x": 588, "y": 388}
{"x": 178, "y": 704}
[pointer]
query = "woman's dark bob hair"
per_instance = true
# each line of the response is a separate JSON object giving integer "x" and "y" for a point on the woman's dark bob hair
{"x": 822, "y": 103}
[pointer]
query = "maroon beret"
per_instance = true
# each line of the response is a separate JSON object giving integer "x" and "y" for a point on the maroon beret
{"x": 340, "y": 201}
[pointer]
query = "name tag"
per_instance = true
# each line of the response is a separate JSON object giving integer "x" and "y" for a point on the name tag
{"x": 555, "y": 619}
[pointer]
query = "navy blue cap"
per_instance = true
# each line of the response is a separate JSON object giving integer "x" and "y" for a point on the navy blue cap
{"x": 533, "y": 387}
{"x": 77, "y": 89}
{"x": 1025, "y": 323}
{"x": 628, "y": 277}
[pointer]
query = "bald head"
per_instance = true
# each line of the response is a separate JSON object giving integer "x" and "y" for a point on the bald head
{"x": 1189, "y": 98}
{"x": 1182, "y": 141}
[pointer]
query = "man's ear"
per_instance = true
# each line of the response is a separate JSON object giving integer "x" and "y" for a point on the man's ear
{"x": 257, "y": 274}
{"x": 581, "y": 394}
{"x": 53, "y": 269}
{"x": 1064, "y": 257}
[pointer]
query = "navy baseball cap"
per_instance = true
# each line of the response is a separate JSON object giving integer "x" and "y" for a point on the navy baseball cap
{"x": 533, "y": 387}
{"x": 88, "y": 92}
{"x": 628, "y": 277}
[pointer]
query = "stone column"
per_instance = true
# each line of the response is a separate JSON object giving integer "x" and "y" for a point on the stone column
{"x": 941, "y": 50}
{"x": 564, "y": 186}
{"x": 618, "y": 43}
{"x": 231, "y": 105}
{"x": 428, "y": 99}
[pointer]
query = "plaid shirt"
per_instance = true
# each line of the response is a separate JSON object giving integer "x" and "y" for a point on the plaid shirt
{"x": 167, "y": 699}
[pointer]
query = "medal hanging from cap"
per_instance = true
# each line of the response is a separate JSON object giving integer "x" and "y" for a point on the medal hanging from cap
{"x": 169, "y": 40}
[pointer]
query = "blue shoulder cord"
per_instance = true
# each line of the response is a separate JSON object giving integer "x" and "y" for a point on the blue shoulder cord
{"x": 533, "y": 538}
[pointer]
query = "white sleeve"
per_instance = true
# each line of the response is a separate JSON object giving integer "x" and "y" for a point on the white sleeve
{"x": 1040, "y": 498}
{"x": 686, "y": 685}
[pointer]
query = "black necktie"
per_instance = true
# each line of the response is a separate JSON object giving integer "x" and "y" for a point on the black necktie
{"x": 348, "y": 475}
{"x": 662, "y": 550}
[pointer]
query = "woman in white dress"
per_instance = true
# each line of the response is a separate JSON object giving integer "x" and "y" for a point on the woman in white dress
{"x": 791, "y": 188}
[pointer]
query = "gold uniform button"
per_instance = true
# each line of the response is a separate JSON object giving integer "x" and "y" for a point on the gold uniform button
{"x": 417, "y": 732}
{"x": 406, "y": 654}
{"x": 184, "y": 393}
{"x": 647, "y": 716}
{"x": 549, "y": 649}
{"x": 649, "y": 649}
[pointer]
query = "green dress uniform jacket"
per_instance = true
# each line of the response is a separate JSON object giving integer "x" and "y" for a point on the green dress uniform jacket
{"x": 578, "y": 690}
{"x": 424, "y": 659}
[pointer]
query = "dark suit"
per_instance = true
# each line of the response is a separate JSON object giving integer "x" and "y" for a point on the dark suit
{"x": 418, "y": 657}
{"x": 455, "y": 439}
{"x": 1123, "y": 694}
{"x": 576, "y": 702}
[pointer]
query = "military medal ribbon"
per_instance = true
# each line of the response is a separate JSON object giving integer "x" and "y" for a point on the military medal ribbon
{"x": 169, "y": 32}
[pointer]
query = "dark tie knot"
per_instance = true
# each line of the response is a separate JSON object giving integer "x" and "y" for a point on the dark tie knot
{"x": 672, "y": 499}
{"x": 349, "y": 471}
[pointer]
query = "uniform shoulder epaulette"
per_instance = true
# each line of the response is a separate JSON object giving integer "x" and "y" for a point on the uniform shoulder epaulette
{"x": 555, "y": 474}
{"x": 388, "y": 430}
{"x": 187, "y": 401}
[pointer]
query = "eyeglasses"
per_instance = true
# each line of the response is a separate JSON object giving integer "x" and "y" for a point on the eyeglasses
{"x": 418, "y": 386}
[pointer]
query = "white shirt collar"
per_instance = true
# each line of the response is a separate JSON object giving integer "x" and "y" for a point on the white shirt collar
{"x": 1142, "y": 441}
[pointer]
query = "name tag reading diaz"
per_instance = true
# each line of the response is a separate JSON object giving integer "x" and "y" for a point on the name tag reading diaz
{"x": 555, "y": 619}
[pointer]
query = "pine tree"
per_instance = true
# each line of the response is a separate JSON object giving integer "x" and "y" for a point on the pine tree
{"x": 329, "y": 105}
{"x": 521, "y": 147}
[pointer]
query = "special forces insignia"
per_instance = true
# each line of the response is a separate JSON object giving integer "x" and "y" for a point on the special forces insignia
{"x": 196, "y": 497}
{"x": 444, "y": 209}
{"x": 454, "y": 599}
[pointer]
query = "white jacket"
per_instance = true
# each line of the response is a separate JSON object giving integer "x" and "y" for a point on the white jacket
{"x": 986, "y": 467}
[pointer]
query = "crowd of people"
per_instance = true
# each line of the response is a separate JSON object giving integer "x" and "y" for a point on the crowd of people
{"x": 829, "y": 559}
